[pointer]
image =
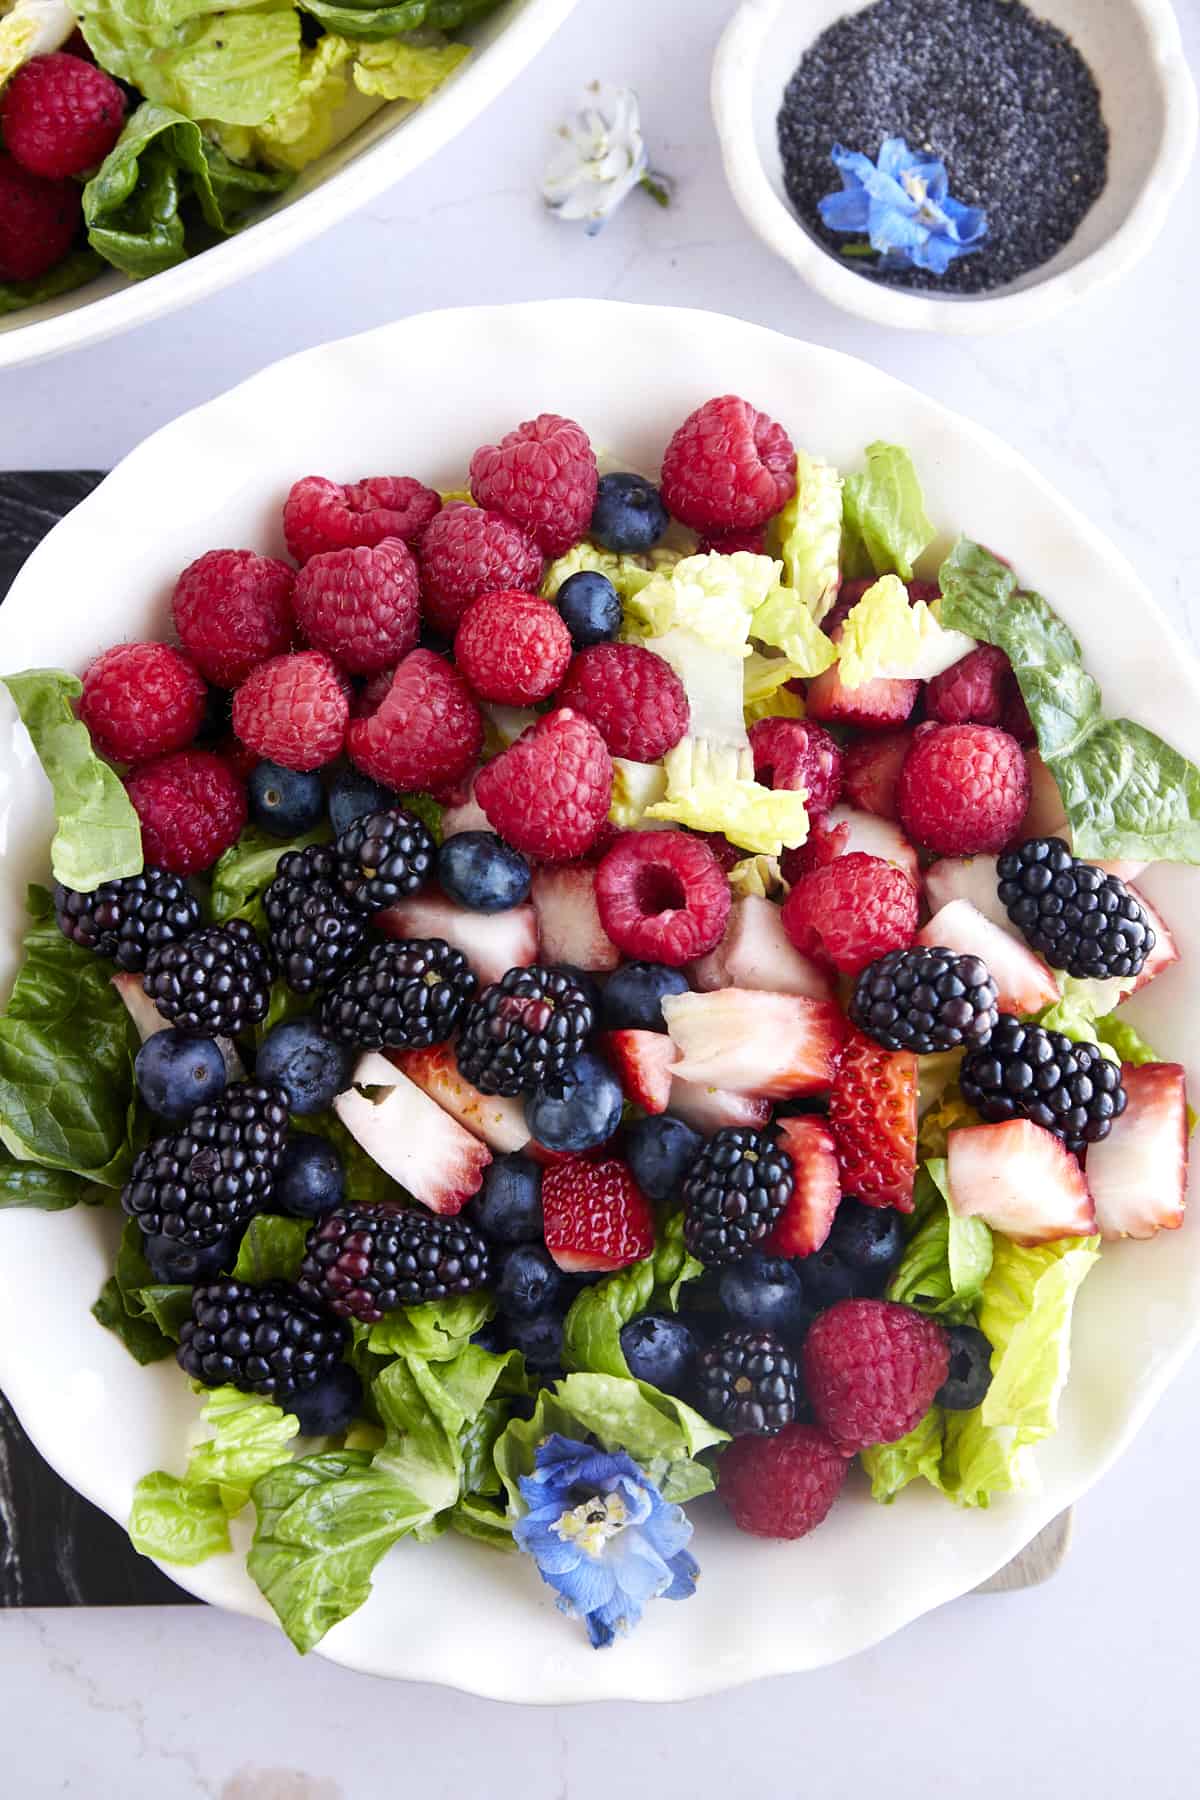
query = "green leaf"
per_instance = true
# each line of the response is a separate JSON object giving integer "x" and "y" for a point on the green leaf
{"x": 250, "y": 1436}
{"x": 246, "y": 870}
{"x": 139, "y": 1334}
{"x": 136, "y": 205}
{"x": 592, "y": 1332}
{"x": 73, "y": 272}
{"x": 390, "y": 21}
{"x": 205, "y": 59}
{"x": 484, "y": 1521}
{"x": 892, "y": 1466}
{"x": 436, "y": 1331}
{"x": 1126, "y": 1040}
{"x": 66, "y": 1062}
{"x": 26, "y": 1184}
{"x": 1126, "y": 794}
{"x": 946, "y": 1259}
{"x": 97, "y": 836}
{"x": 146, "y": 1315}
{"x": 884, "y": 526}
{"x": 177, "y": 1522}
{"x": 402, "y": 70}
{"x": 272, "y": 1249}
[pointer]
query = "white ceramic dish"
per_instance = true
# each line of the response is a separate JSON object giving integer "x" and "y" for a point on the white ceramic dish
{"x": 390, "y": 144}
{"x": 1149, "y": 99}
{"x": 454, "y": 1612}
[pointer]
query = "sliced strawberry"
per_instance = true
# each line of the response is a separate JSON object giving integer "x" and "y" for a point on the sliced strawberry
{"x": 756, "y": 952}
{"x": 1023, "y": 981}
{"x": 493, "y": 943}
{"x": 877, "y": 705}
{"x": 569, "y": 928}
{"x": 873, "y": 836}
{"x": 410, "y": 1137}
{"x": 642, "y": 1062}
{"x": 707, "y": 1109}
{"x": 499, "y": 1122}
{"x": 1021, "y": 1180}
{"x": 596, "y": 1216}
{"x": 870, "y": 770}
{"x": 464, "y": 814}
{"x": 821, "y": 847}
{"x": 1165, "y": 951}
{"x": 970, "y": 878}
{"x": 769, "y": 1045}
{"x": 873, "y": 1118}
{"x": 1138, "y": 1173}
{"x": 808, "y": 1217}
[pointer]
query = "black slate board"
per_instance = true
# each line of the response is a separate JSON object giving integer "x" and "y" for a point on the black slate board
{"x": 55, "y": 1548}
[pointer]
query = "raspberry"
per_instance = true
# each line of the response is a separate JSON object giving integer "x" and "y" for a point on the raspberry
{"x": 467, "y": 552}
{"x": 963, "y": 789}
{"x": 61, "y": 115}
{"x": 542, "y": 476}
{"x": 871, "y": 1370}
{"x": 728, "y": 855}
{"x": 320, "y": 515}
{"x": 853, "y": 910}
{"x": 728, "y": 543}
{"x": 1016, "y": 720}
{"x": 426, "y": 732}
{"x": 38, "y": 221}
{"x": 141, "y": 701}
{"x": 782, "y": 1487}
{"x": 633, "y": 697}
{"x": 873, "y": 1118}
{"x": 293, "y": 710}
{"x": 728, "y": 468}
{"x": 360, "y": 605}
{"x": 663, "y": 897}
{"x": 791, "y": 753}
{"x": 192, "y": 807}
{"x": 232, "y": 610}
{"x": 548, "y": 795}
{"x": 871, "y": 769}
{"x": 973, "y": 691}
{"x": 823, "y": 845}
{"x": 596, "y": 1215}
{"x": 513, "y": 648}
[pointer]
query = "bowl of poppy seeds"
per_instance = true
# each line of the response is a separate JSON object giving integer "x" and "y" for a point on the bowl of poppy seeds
{"x": 1060, "y": 131}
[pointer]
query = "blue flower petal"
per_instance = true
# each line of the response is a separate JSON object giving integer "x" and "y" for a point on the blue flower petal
{"x": 894, "y": 230}
{"x": 894, "y": 157}
{"x": 684, "y": 1569}
{"x": 847, "y": 210}
{"x": 969, "y": 222}
{"x": 924, "y": 229}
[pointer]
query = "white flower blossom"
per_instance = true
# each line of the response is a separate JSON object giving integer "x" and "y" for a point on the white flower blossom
{"x": 599, "y": 157}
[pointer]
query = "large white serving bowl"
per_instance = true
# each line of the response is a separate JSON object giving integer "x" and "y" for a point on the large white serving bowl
{"x": 418, "y": 396}
{"x": 390, "y": 144}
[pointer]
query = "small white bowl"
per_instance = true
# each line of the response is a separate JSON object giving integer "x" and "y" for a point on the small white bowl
{"x": 1149, "y": 100}
{"x": 391, "y": 143}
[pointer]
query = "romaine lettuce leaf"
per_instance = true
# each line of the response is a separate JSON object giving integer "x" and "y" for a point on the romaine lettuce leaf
{"x": 97, "y": 836}
{"x": 235, "y": 64}
{"x": 592, "y": 1333}
{"x": 756, "y": 877}
{"x": 272, "y": 1249}
{"x": 711, "y": 787}
{"x": 47, "y": 1190}
{"x": 892, "y": 1466}
{"x": 636, "y": 785}
{"x": 405, "y": 15}
{"x": 627, "y": 572}
{"x": 946, "y": 1259}
{"x": 785, "y": 623}
{"x": 75, "y": 270}
{"x": 712, "y": 596}
{"x": 884, "y": 526}
{"x": 809, "y": 533}
{"x": 712, "y": 680}
{"x": 248, "y": 1436}
{"x": 884, "y": 636}
{"x": 1127, "y": 794}
{"x": 403, "y": 69}
{"x": 944, "y": 1116}
{"x": 177, "y": 1522}
{"x": 316, "y": 119}
{"x": 437, "y": 1331}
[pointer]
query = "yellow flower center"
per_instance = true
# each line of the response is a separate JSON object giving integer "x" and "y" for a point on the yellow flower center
{"x": 592, "y": 1523}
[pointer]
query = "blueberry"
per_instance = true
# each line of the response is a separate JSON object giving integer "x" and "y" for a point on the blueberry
{"x": 310, "y": 1066}
{"x": 660, "y": 1151}
{"x": 326, "y": 1408}
{"x": 867, "y": 1238}
{"x": 175, "y": 1073}
{"x": 659, "y": 1350}
{"x": 539, "y": 1340}
{"x": 310, "y": 1179}
{"x": 508, "y": 1207}
{"x": 584, "y": 1109}
{"x": 766, "y": 1293}
{"x": 479, "y": 870}
{"x": 590, "y": 608}
{"x": 970, "y": 1374}
{"x": 283, "y": 801}
{"x": 629, "y": 515}
{"x": 633, "y": 997}
{"x": 352, "y": 795}
{"x": 529, "y": 1282}
{"x": 827, "y": 1279}
{"x": 490, "y": 1337}
{"x": 171, "y": 1261}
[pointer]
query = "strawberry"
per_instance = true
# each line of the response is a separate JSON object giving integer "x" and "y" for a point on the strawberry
{"x": 756, "y": 952}
{"x": 807, "y": 1219}
{"x": 970, "y": 878}
{"x": 464, "y": 813}
{"x": 772, "y": 1046}
{"x": 493, "y": 943}
{"x": 1023, "y": 982}
{"x": 873, "y": 836}
{"x": 568, "y": 921}
{"x": 499, "y": 1122}
{"x": 1165, "y": 951}
{"x": 411, "y": 1138}
{"x": 642, "y": 1061}
{"x": 870, "y": 770}
{"x": 873, "y": 1118}
{"x": 708, "y": 1109}
{"x": 1021, "y": 1180}
{"x": 1138, "y": 1173}
{"x": 596, "y": 1216}
{"x": 877, "y": 705}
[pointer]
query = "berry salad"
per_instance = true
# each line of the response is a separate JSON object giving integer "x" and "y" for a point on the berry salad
{"x": 588, "y": 993}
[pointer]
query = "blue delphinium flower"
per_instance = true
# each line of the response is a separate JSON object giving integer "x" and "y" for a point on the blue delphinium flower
{"x": 902, "y": 204}
{"x": 603, "y": 1536}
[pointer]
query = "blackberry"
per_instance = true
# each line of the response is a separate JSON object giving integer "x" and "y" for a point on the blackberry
{"x": 1027, "y": 1072}
{"x": 405, "y": 996}
{"x": 205, "y": 1181}
{"x": 733, "y": 1193}
{"x": 1072, "y": 913}
{"x": 523, "y": 1031}
{"x": 383, "y": 856}
{"x": 315, "y": 935}
{"x": 264, "y": 1340}
{"x": 747, "y": 1382}
{"x": 125, "y": 920}
{"x": 365, "y": 1261}
{"x": 924, "y": 1000}
{"x": 216, "y": 983}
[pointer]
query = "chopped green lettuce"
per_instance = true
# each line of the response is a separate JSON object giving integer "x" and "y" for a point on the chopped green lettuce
{"x": 236, "y": 65}
{"x": 884, "y": 636}
{"x": 187, "y": 1520}
{"x": 75, "y": 271}
{"x": 406, "y": 69}
{"x": 313, "y": 121}
{"x": 272, "y": 1249}
{"x": 404, "y": 15}
{"x": 636, "y": 785}
{"x": 756, "y": 877}
{"x": 782, "y": 703}
{"x": 592, "y": 1333}
{"x": 436, "y": 1331}
{"x": 145, "y": 1314}
{"x": 784, "y": 623}
{"x": 711, "y": 787}
{"x": 809, "y": 534}
{"x": 892, "y": 1466}
{"x": 885, "y": 528}
{"x": 246, "y": 870}
{"x": 712, "y": 680}
{"x": 176, "y": 1522}
{"x": 946, "y": 1259}
{"x": 627, "y": 572}
{"x": 712, "y": 596}
{"x": 943, "y": 1115}
{"x": 32, "y": 28}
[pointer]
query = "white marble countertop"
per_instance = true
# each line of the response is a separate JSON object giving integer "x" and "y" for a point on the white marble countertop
{"x": 1084, "y": 1686}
